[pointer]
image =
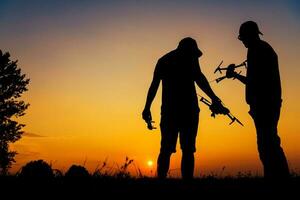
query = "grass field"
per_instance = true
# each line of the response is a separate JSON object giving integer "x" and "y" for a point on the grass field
{"x": 37, "y": 180}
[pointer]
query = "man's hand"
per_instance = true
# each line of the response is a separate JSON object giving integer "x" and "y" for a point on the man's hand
{"x": 147, "y": 115}
{"x": 217, "y": 107}
{"x": 148, "y": 118}
{"x": 230, "y": 73}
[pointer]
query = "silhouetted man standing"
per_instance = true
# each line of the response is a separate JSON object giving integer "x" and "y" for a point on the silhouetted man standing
{"x": 179, "y": 70}
{"x": 263, "y": 94}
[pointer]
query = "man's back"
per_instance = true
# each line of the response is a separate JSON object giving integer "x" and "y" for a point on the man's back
{"x": 177, "y": 73}
{"x": 263, "y": 79}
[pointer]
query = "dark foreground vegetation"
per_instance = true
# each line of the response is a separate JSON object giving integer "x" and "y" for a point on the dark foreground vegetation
{"x": 37, "y": 180}
{"x": 89, "y": 187}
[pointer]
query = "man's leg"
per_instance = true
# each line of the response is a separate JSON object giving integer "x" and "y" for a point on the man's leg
{"x": 169, "y": 134}
{"x": 268, "y": 141}
{"x": 271, "y": 154}
{"x": 163, "y": 164}
{"x": 188, "y": 133}
{"x": 187, "y": 165}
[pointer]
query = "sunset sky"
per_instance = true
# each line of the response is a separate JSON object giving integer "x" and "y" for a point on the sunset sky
{"x": 91, "y": 63}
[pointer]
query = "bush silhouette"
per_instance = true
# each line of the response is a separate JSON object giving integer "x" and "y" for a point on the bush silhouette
{"x": 37, "y": 169}
{"x": 77, "y": 171}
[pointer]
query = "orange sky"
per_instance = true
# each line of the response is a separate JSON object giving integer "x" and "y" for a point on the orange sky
{"x": 91, "y": 66}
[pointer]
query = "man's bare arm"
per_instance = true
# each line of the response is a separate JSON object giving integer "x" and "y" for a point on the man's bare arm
{"x": 150, "y": 97}
{"x": 216, "y": 106}
{"x": 152, "y": 92}
{"x": 204, "y": 85}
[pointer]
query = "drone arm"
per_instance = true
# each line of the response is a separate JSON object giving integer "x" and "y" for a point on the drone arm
{"x": 241, "y": 78}
{"x": 233, "y": 119}
{"x": 220, "y": 79}
{"x": 205, "y": 101}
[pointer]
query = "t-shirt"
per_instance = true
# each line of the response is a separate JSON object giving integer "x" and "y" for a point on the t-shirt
{"x": 178, "y": 73}
{"x": 263, "y": 80}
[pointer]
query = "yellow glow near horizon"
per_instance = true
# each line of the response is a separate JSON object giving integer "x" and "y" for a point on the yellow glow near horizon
{"x": 150, "y": 163}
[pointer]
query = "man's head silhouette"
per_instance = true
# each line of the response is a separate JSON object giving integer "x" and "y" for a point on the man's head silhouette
{"x": 188, "y": 47}
{"x": 249, "y": 33}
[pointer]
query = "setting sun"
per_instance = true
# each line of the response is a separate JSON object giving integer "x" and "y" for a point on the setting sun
{"x": 150, "y": 163}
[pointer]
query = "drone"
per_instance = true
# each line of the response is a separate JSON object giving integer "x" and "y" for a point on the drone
{"x": 220, "y": 69}
{"x": 231, "y": 116}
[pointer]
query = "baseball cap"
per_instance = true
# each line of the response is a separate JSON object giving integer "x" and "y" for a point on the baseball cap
{"x": 249, "y": 28}
{"x": 190, "y": 45}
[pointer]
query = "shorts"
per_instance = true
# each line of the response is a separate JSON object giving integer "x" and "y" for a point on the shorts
{"x": 186, "y": 126}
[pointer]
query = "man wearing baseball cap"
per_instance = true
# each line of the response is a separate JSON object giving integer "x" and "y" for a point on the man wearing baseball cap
{"x": 263, "y": 94}
{"x": 178, "y": 71}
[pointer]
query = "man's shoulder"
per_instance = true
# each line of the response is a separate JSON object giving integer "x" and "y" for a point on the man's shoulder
{"x": 265, "y": 46}
{"x": 167, "y": 57}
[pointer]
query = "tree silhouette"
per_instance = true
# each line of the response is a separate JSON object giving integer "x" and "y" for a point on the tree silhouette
{"x": 12, "y": 85}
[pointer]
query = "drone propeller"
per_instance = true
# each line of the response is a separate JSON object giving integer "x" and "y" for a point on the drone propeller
{"x": 219, "y": 68}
